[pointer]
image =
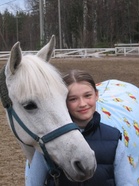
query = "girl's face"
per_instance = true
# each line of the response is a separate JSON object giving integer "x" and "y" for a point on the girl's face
{"x": 81, "y": 102}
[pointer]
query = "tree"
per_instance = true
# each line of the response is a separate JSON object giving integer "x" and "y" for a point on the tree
{"x": 84, "y": 23}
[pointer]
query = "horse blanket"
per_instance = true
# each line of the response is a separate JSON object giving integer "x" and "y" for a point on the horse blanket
{"x": 118, "y": 105}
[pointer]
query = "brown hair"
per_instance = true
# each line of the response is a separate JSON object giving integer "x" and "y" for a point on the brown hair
{"x": 78, "y": 76}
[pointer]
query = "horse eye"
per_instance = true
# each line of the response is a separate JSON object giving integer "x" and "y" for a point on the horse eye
{"x": 30, "y": 106}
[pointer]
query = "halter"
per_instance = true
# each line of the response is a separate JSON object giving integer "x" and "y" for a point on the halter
{"x": 54, "y": 171}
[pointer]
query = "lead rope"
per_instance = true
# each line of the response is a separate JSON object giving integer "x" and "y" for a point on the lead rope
{"x": 56, "y": 180}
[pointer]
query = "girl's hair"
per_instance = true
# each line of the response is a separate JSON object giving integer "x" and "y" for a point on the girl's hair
{"x": 78, "y": 76}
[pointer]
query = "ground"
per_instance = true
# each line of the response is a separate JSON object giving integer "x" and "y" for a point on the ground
{"x": 12, "y": 160}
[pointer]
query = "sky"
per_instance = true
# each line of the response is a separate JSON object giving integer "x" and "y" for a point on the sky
{"x": 11, "y": 5}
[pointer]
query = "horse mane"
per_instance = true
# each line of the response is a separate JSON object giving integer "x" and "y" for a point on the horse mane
{"x": 37, "y": 77}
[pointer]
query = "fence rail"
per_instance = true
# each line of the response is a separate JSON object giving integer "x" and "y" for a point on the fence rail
{"x": 82, "y": 52}
{"x": 127, "y": 51}
{"x": 120, "y": 49}
{"x": 4, "y": 55}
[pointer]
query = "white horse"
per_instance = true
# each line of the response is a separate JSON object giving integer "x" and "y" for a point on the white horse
{"x": 34, "y": 97}
{"x": 119, "y": 107}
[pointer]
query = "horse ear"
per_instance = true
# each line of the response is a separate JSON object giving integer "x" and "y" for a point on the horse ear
{"x": 15, "y": 57}
{"x": 46, "y": 52}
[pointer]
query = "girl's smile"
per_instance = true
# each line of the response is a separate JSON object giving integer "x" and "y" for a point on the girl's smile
{"x": 83, "y": 111}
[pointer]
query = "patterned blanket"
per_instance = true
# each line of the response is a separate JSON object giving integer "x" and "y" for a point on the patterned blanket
{"x": 118, "y": 105}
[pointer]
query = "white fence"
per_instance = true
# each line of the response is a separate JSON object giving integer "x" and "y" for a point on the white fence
{"x": 5, "y": 54}
{"x": 82, "y": 52}
{"x": 127, "y": 49}
{"x": 120, "y": 49}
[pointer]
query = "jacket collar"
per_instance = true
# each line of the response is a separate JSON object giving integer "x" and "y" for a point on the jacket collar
{"x": 93, "y": 124}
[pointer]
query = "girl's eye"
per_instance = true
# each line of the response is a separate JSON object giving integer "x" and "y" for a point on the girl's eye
{"x": 88, "y": 95}
{"x": 30, "y": 106}
{"x": 72, "y": 99}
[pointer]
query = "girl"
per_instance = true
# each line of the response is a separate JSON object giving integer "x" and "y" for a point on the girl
{"x": 112, "y": 165}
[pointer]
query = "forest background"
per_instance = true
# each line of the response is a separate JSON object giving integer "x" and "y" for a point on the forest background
{"x": 84, "y": 24}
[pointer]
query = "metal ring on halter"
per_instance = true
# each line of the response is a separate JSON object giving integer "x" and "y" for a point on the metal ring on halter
{"x": 55, "y": 173}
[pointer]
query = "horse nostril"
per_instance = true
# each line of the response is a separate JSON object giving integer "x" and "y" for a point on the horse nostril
{"x": 79, "y": 167}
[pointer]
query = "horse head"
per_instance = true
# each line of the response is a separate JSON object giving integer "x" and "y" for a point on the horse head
{"x": 37, "y": 97}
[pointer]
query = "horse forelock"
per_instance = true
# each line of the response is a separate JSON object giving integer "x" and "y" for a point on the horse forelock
{"x": 35, "y": 77}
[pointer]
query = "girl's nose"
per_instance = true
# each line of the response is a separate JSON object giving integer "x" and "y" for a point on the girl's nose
{"x": 82, "y": 102}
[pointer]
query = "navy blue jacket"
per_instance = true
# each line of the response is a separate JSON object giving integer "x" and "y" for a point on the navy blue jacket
{"x": 103, "y": 139}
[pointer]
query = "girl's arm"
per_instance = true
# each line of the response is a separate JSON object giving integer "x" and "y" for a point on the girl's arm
{"x": 36, "y": 172}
